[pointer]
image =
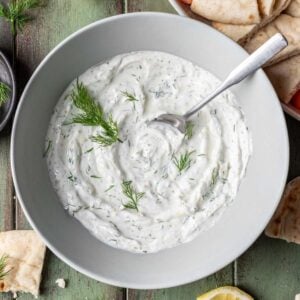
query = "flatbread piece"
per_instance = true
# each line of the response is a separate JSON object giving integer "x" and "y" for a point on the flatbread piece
{"x": 289, "y": 27}
{"x": 285, "y": 77}
{"x": 285, "y": 224}
{"x": 26, "y": 253}
{"x": 293, "y": 9}
{"x": 241, "y": 12}
{"x": 243, "y": 33}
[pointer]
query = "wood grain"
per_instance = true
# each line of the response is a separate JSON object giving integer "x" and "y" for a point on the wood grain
{"x": 51, "y": 24}
{"x": 6, "y": 185}
{"x": 269, "y": 269}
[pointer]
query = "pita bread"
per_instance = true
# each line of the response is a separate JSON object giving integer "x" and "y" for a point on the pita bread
{"x": 241, "y": 12}
{"x": 266, "y": 7}
{"x": 285, "y": 24}
{"x": 293, "y": 9}
{"x": 243, "y": 33}
{"x": 285, "y": 77}
{"x": 285, "y": 224}
{"x": 235, "y": 32}
{"x": 25, "y": 252}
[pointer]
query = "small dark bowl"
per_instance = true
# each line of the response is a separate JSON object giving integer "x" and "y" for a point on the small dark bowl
{"x": 7, "y": 76}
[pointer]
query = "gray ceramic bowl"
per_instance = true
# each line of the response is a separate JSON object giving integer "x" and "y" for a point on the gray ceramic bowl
{"x": 241, "y": 223}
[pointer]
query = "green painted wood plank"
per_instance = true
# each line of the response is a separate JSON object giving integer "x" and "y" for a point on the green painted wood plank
{"x": 188, "y": 291}
{"x": 269, "y": 270}
{"x": 149, "y": 5}
{"x": 223, "y": 277}
{"x": 51, "y": 25}
{"x": 6, "y": 186}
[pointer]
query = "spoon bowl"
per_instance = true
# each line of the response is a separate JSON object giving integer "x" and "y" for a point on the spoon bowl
{"x": 251, "y": 64}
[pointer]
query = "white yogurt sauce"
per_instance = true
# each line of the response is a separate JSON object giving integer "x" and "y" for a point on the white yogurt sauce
{"x": 176, "y": 206}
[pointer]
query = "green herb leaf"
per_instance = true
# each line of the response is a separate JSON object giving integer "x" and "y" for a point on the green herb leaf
{"x": 72, "y": 177}
{"x": 129, "y": 97}
{"x": 110, "y": 187}
{"x": 93, "y": 115}
{"x": 184, "y": 161}
{"x": 16, "y": 13}
{"x": 3, "y": 264}
{"x": 133, "y": 195}
{"x": 214, "y": 175}
{"x": 4, "y": 93}
{"x": 48, "y": 148}
{"x": 189, "y": 130}
{"x": 95, "y": 176}
{"x": 89, "y": 150}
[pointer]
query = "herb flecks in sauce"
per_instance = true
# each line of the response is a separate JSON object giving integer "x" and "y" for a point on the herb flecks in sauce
{"x": 134, "y": 196}
{"x": 146, "y": 157}
{"x": 93, "y": 115}
{"x": 184, "y": 161}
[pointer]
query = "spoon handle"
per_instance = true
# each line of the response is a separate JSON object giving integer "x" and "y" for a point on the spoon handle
{"x": 253, "y": 62}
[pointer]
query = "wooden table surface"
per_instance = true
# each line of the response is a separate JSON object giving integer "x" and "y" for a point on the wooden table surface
{"x": 269, "y": 270}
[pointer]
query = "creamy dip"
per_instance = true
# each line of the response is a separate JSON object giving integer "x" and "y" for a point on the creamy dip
{"x": 176, "y": 204}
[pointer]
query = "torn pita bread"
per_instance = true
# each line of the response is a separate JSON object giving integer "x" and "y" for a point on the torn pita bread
{"x": 26, "y": 253}
{"x": 241, "y": 12}
{"x": 285, "y": 77}
{"x": 243, "y": 33}
{"x": 285, "y": 224}
{"x": 236, "y": 32}
{"x": 289, "y": 27}
{"x": 266, "y": 7}
{"x": 293, "y": 9}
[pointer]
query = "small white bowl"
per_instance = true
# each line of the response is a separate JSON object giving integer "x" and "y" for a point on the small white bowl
{"x": 240, "y": 224}
{"x": 185, "y": 11}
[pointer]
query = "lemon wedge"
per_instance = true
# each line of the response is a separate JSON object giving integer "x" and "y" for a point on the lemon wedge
{"x": 225, "y": 293}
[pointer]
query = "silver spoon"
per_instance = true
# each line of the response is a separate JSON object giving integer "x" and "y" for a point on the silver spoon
{"x": 252, "y": 63}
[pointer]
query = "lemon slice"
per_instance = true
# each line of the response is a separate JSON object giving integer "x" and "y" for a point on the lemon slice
{"x": 225, "y": 293}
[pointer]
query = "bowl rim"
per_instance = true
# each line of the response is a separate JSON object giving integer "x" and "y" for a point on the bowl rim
{"x": 13, "y": 97}
{"x": 240, "y": 250}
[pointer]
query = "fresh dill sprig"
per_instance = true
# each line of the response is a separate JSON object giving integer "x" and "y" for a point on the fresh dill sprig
{"x": 213, "y": 181}
{"x": 130, "y": 97}
{"x": 93, "y": 115}
{"x": 189, "y": 130}
{"x": 3, "y": 264}
{"x": 184, "y": 161}
{"x": 133, "y": 195}
{"x": 16, "y": 13}
{"x": 48, "y": 148}
{"x": 110, "y": 133}
{"x": 4, "y": 93}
